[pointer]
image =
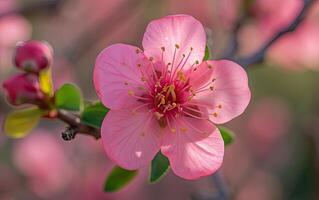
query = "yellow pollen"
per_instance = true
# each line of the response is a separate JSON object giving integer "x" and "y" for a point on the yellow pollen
{"x": 181, "y": 76}
{"x": 158, "y": 115}
{"x": 131, "y": 92}
{"x": 162, "y": 101}
{"x": 183, "y": 130}
{"x": 171, "y": 91}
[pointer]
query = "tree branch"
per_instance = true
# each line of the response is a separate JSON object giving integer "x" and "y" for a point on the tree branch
{"x": 259, "y": 55}
{"x": 76, "y": 125}
{"x": 48, "y": 5}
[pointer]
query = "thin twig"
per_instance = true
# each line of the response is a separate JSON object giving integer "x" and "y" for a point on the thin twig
{"x": 48, "y": 5}
{"x": 75, "y": 123}
{"x": 259, "y": 55}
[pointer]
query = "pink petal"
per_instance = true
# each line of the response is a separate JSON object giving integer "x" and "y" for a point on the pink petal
{"x": 130, "y": 139}
{"x": 116, "y": 75}
{"x": 228, "y": 95}
{"x": 194, "y": 148}
{"x": 181, "y": 30}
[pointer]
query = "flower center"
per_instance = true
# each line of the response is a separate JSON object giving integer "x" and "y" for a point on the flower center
{"x": 169, "y": 96}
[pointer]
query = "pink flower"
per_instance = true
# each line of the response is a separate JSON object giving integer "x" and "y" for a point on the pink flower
{"x": 13, "y": 28}
{"x": 165, "y": 99}
{"x": 33, "y": 56}
{"x": 44, "y": 162}
{"x": 23, "y": 88}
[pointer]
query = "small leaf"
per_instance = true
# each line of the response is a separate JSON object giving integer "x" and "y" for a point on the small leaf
{"x": 20, "y": 122}
{"x": 228, "y": 135}
{"x": 206, "y": 57}
{"x": 69, "y": 97}
{"x": 118, "y": 178}
{"x": 93, "y": 115}
{"x": 46, "y": 84}
{"x": 159, "y": 168}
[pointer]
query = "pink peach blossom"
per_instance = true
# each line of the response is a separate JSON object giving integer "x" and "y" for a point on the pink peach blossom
{"x": 23, "y": 88}
{"x": 33, "y": 56}
{"x": 165, "y": 99}
{"x": 41, "y": 158}
{"x": 13, "y": 28}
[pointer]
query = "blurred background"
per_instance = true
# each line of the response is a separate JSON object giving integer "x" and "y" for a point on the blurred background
{"x": 275, "y": 154}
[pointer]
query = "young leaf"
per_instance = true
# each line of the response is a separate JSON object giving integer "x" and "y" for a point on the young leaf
{"x": 20, "y": 122}
{"x": 206, "y": 56}
{"x": 118, "y": 178}
{"x": 159, "y": 167}
{"x": 93, "y": 115}
{"x": 228, "y": 135}
{"x": 45, "y": 80}
{"x": 69, "y": 97}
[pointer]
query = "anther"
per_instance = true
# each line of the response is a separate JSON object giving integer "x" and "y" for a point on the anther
{"x": 211, "y": 88}
{"x": 215, "y": 114}
{"x": 177, "y": 46}
{"x": 163, "y": 48}
{"x": 183, "y": 130}
{"x": 209, "y": 66}
{"x": 130, "y": 92}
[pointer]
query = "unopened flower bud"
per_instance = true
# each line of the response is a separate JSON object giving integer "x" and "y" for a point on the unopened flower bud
{"x": 23, "y": 88}
{"x": 33, "y": 56}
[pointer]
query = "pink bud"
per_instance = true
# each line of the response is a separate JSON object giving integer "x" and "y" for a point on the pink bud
{"x": 33, "y": 56}
{"x": 23, "y": 88}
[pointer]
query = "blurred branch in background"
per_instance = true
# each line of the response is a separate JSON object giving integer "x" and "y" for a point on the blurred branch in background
{"x": 45, "y": 5}
{"x": 258, "y": 56}
{"x": 89, "y": 38}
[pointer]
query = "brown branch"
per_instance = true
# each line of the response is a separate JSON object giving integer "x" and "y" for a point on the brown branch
{"x": 76, "y": 125}
{"x": 259, "y": 55}
{"x": 30, "y": 8}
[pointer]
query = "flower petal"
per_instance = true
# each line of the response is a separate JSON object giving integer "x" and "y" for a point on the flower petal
{"x": 116, "y": 74}
{"x": 130, "y": 139}
{"x": 194, "y": 148}
{"x": 228, "y": 94}
{"x": 175, "y": 32}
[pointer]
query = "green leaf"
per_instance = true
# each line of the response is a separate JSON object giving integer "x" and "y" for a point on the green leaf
{"x": 118, "y": 178}
{"x": 93, "y": 115}
{"x": 159, "y": 168}
{"x": 45, "y": 80}
{"x": 69, "y": 97}
{"x": 20, "y": 122}
{"x": 206, "y": 57}
{"x": 228, "y": 135}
